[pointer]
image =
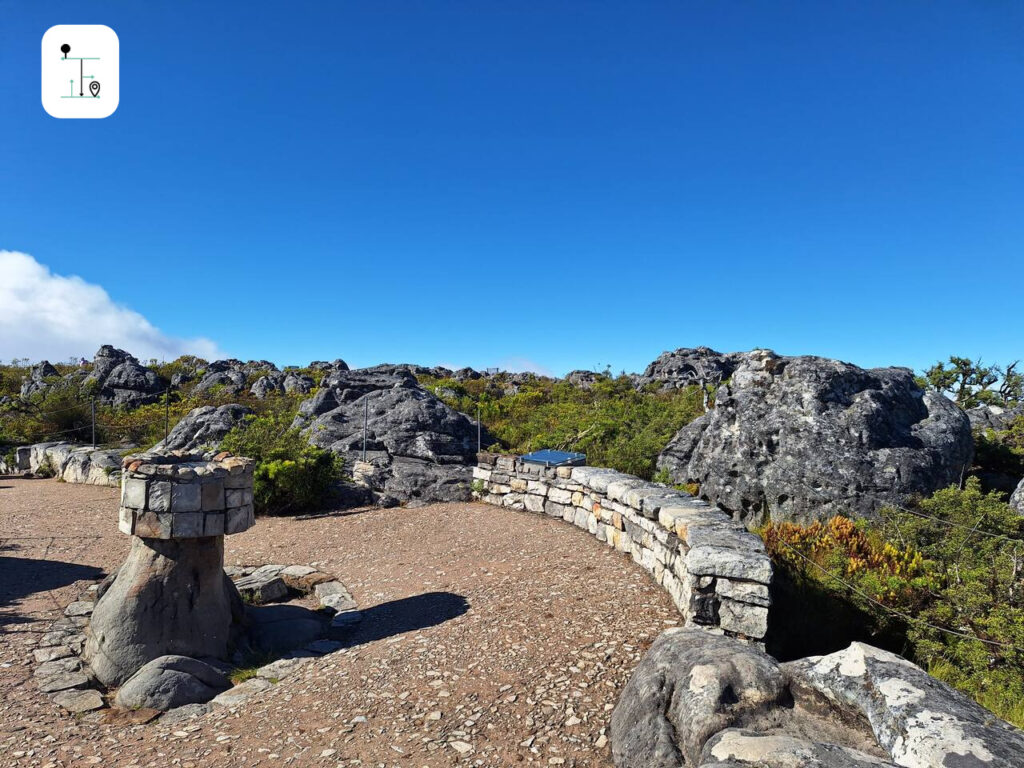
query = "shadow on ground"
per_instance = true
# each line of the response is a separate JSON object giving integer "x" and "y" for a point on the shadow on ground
{"x": 406, "y": 615}
{"x": 21, "y": 577}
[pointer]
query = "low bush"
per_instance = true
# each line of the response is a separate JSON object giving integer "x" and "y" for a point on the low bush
{"x": 942, "y": 583}
{"x": 613, "y": 423}
{"x": 290, "y": 475}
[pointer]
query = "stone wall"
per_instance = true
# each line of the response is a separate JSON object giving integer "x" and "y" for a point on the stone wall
{"x": 716, "y": 571}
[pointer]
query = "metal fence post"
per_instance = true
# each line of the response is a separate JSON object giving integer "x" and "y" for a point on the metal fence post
{"x": 478, "y": 446}
{"x": 366, "y": 417}
{"x": 167, "y": 413}
{"x": 94, "y": 422}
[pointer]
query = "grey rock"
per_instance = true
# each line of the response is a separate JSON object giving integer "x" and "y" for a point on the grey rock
{"x": 261, "y": 588}
{"x": 690, "y": 685}
{"x": 280, "y": 382}
{"x": 994, "y": 417}
{"x": 204, "y": 427}
{"x": 117, "y": 378}
{"x": 584, "y": 379}
{"x": 280, "y": 669}
{"x": 231, "y": 381}
{"x": 736, "y": 747}
{"x": 79, "y": 701}
{"x": 233, "y": 697}
{"x": 277, "y": 629}
{"x": 1017, "y": 498}
{"x": 184, "y": 714}
{"x": 171, "y": 681}
{"x": 35, "y": 382}
{"x": 805, "y": 438}
{"x": 170, "y": 597}
{"x": 422, "y": 448}
{"x": 918, "y": 720}
{"x": 322, "y": 365}
{"x": 686, "y": 367}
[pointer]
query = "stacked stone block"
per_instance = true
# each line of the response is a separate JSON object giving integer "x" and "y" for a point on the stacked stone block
{"x": 716, "y": 571}
{"x": 178, "y": 495}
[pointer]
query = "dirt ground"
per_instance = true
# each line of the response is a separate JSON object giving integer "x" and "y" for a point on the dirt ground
{"x": 491, "y": 638}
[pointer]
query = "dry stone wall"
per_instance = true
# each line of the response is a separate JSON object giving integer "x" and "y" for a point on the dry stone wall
{"x": 716, "y": 571}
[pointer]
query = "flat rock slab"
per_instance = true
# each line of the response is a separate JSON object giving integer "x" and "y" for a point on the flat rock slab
{"x": 735, "y": 748}
{"x": 238, "y": 695}
{"x": 261, "y": 588}
{"x": 76, "y": 701}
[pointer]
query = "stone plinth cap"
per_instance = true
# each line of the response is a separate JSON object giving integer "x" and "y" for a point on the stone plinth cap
{"x": 181, "y": 495}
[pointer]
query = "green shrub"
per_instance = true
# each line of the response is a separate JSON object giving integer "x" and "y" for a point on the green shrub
{"x": 613, "y": 423}
{"x": 290, "y": 475}
{"x": 942, "y": 583}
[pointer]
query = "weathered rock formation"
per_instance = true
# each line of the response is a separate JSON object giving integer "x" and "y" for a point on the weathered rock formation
{"x": 993, "y": 417}
{"x": 119, "y": 379}
{"x": 36, "y": 380}
{"x": 686, "y": 367}
{"x": 701, "y": 700}
{"x": 803, "y": 438}
{"x": 204, "y": 427}
{"x": 422, "y": 448}
{"x": 278, "y": 382}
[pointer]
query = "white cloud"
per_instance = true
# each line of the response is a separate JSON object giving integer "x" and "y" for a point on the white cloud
{"x": 48, "y": 316}
{"x": 524, "y": 365}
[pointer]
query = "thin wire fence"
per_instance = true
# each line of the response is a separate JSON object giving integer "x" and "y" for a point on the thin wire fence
{"x": 112, "y": 432}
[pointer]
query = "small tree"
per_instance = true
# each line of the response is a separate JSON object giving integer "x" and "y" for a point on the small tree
{"x": 971, "y": 383}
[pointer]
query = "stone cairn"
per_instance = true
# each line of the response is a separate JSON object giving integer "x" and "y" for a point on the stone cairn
{"x": 171, "y": 595}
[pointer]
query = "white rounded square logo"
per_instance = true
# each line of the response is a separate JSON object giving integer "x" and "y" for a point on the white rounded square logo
{"x": 80, "y": 69}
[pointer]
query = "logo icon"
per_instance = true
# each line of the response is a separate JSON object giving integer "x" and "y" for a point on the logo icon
{"x": 78, "y": 62}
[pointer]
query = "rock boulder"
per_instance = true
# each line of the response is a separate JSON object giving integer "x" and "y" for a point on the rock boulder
{"x": 804, "y": 438}
{"x": 204, "y": 427}
{"x": 420, "y": 447}
{"x": 171, "y": 681}
{"x": 698, "y": 699}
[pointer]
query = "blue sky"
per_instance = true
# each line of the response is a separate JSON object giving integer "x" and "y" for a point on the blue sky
{"x": 553, "y": 185}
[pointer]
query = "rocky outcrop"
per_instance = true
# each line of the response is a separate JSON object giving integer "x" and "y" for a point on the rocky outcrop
{"x": 702, "y": 700}
{"x": 919, "y": 721}
{"x": 420, "y": 447}
{"x": 804, "y": 438}
{"x": 686, "y": 367}
{"x": 119, "y": 379}
{"x": 71, "y": 463}
{"x": 323, "y": 365}
{"x": 171, "y": 681}
{"x": 204, "y": 427}
{"x": 36, "y": 380}
{"x": 583, "y": 379}
{"x": 279, "y": 382}
{"x": 229, "y": 382}
{"x": 994, "y": 417}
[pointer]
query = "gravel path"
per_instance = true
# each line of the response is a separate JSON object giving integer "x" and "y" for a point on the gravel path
{"x": 491, "y": 638}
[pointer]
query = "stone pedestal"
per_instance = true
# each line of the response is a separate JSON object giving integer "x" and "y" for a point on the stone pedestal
{"x": 171, "y": 595}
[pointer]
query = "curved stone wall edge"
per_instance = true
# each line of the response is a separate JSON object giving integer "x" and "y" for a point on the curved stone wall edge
{"x": 716, "y": 571}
